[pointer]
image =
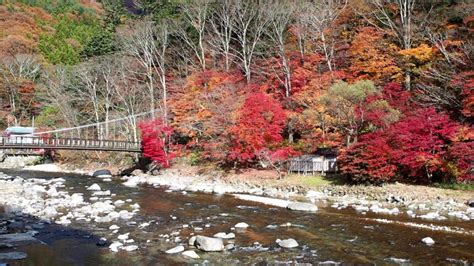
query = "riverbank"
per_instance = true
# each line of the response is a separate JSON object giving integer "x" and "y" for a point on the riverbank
{"x": 416, "y": 201}
{"x": 413, "y": 200}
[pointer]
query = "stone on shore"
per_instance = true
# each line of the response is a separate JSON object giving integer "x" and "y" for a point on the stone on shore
{"x": 94, "y": 187}
{"x": 288, "y": 243}
{"x": 428, "y": 241}
{"x": 302, "y": 206}
{"x": 191, "y": 253}
{"x": 175, "y": 250}
{"x": 205, "y": 243}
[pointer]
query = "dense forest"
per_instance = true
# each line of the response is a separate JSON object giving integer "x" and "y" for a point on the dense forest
{"x": 387, "y": 83}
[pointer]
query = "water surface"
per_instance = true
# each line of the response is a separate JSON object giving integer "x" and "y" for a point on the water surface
{"x": 329, "y": 235}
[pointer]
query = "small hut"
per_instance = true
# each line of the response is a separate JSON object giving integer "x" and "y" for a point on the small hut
{"x": 321, "y": 162}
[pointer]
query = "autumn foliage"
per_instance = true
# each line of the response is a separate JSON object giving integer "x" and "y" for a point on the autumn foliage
{"x": 414, "y": 147}
{"x": 254, "y": 83}
{"x": 155, "y": 137}
{"x": 260, "y": 125}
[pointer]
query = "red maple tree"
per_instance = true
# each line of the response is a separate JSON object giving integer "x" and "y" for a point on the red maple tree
{"x": 369, "y": 160}
{"x": 260, "y": 125}
{"x": 154, "y": 141}
{"x": 414, "y": 148}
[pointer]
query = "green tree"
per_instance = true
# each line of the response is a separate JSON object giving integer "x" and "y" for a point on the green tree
{"x": 345, "y": 103}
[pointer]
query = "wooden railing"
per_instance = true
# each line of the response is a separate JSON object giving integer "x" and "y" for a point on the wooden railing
{"x": 35, "y": 142}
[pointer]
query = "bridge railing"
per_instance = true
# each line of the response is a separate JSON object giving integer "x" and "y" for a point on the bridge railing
{"x": 68, "y": 143}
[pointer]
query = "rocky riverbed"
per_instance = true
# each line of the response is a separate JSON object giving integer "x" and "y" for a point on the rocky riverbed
{"x": 144, "y": 219}
{"x": 394, "y": 199}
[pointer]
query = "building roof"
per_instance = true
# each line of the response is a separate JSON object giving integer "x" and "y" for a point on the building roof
{"x": 20, "y": 130}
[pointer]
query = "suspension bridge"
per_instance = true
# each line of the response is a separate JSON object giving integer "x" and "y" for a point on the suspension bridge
{"x": 115, "y": 135}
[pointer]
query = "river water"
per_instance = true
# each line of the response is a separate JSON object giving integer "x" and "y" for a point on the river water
{"x": 330, "y": 235}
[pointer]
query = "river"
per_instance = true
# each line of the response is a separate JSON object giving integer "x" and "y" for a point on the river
{"x": 328, "y": 236}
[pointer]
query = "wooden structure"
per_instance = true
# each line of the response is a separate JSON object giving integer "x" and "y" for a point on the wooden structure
{"x": 37, "y": 142}
{"x": 322, "y": 162}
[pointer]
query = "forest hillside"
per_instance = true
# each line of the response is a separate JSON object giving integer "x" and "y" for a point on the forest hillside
{"x": 387, "y": 84}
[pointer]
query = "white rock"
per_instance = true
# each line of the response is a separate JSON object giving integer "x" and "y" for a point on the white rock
{"x": 130, "y": 248}
{"x": 113, "y": 215}
{"x": 125, "y": 215}
{"x": 224, "y": 235}
{"x": 288, "y": 243}
{"x": 241, "y": 225}
{"x": 209, "y": 244}
{"x": 123, "y": 237}
{"x": 191, "y": 254}
{"x": 302, "y": 206}
{"x": 192, "y": 240}
{"x": 119, "y": 203}
{"x": 115, "y": 246}
{"x": 176, "y": 249}
{"x": 428, "y": 241}
{"x": 94, "y": 187}
{"x": 114, "y": 227}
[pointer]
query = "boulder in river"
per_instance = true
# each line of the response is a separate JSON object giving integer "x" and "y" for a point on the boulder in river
{"x": 288, "y": 243}
{"x": 205, "y": 243}
{"x": 103, "y": 173}
{"x": 94, "y": 187}
{"x": 302, "y": 206}
{"x": 241, "y": 225}
{"x": 175, "y": 250}
{"x": 428, "y": 241}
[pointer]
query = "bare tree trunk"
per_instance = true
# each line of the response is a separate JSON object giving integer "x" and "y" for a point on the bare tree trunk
{"x": 250, "y": 23}
{"x": 222, "y": 24}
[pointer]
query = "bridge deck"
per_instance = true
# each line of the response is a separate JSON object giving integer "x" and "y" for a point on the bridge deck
{"x": 34, "y": 142}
